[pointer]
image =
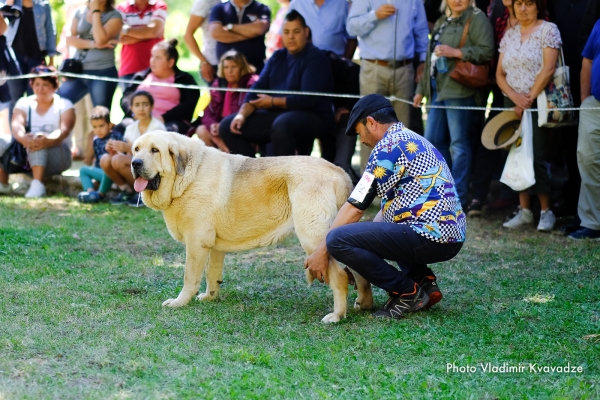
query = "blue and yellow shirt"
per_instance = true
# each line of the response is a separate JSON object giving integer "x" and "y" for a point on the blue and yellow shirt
{"x": 415, "y": 186}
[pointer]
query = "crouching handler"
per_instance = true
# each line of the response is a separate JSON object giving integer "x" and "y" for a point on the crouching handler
{"x": 421, "y": 220}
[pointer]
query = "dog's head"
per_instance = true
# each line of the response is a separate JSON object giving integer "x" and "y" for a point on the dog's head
{"x": 159, "y": 164}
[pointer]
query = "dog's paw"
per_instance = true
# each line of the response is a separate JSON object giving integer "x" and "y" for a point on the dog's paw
{"x": 206, "y": 296}
{"x": 174, "y": 303}
{"x": 331, "y": 318}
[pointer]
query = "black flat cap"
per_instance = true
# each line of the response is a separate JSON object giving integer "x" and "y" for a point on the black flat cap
{"x": 363, "y": 108}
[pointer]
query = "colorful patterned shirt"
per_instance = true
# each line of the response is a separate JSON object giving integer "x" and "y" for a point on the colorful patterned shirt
{"x": 416, "y": 186}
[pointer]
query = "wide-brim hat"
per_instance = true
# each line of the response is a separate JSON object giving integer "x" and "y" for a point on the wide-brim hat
{"x": 501, "y": 131}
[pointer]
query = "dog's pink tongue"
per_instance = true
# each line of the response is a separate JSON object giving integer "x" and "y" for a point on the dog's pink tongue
{"x": 140, "y": 184}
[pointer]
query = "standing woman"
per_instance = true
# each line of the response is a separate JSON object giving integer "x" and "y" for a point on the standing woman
{"x": 524, "y": 69}
{"x": 94, "y": 32}
{"x": 32, "y": 38}
{"x": 449, "y": 130}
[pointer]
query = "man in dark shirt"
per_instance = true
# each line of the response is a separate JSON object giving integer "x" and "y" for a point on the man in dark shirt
{"x": 241, "y": 25}
{"x": 289, "y": 122}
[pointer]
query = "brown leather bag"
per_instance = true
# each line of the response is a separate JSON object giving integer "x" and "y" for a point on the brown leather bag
{"x": 469, "y": 74}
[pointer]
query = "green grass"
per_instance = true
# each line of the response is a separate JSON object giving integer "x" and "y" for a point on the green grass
{"x": 80, "y": 317}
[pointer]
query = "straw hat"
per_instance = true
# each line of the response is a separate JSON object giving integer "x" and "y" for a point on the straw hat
{"x": 501, "y": 131}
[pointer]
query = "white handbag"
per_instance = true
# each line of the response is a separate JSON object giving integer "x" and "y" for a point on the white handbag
{"x": 518, "y": 171}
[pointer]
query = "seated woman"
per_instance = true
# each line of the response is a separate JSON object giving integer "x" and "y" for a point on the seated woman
{"x": 116, "y": 164}
{"x": 42, "y": 123}
{"x": 174, "y": 107}
{"x": 233, "y": 72}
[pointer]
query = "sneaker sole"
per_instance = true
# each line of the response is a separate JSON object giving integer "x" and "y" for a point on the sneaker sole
{"x": 474, "y": 213}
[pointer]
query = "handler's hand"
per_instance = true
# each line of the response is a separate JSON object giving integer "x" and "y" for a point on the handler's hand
{"x": 263, "y": 102}
{"x": 236, "y": 124}
{"x": 317, "y": 264}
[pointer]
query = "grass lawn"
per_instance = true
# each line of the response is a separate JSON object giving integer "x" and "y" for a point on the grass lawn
{"x": 80, "y": 317}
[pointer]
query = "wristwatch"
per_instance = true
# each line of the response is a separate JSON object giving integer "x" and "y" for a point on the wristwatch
{"x": 125, "y": 29}
{"x": 229, "y": 27}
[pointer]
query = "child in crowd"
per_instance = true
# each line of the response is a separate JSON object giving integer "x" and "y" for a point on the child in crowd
{"x": 102, "y": 129}
{"x": 117, "y": 162}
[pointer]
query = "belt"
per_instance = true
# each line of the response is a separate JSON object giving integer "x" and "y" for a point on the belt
{"x": 391, "y": 64}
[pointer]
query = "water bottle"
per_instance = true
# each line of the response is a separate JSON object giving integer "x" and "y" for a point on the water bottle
{"x": 441, "y": 64}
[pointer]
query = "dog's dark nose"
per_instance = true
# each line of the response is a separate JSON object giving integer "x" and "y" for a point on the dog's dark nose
{"x": 136, "y": 163}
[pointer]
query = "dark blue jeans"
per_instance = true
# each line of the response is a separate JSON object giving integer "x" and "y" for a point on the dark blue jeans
{"x": 449, "y": 130}
{"x": 365, "y": 247}
{"x": 101, "y": 91}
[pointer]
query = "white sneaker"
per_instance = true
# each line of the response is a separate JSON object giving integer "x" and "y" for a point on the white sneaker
{"x": 5, "y": 188}
{"x": 547, "y": 221}
{"x": 524, "y": 217}
{"x": 37, "y": 189}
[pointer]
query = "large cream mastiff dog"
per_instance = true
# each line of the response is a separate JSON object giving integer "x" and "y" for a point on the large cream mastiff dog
{"x": 217, "y": 203}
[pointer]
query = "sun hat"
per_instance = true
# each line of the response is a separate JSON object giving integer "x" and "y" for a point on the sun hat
{"x": 501, "y": 131}
{"x": 363, "y": 108}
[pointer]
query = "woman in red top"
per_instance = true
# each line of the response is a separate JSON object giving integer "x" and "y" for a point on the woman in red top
{"x": 233, "y": 72}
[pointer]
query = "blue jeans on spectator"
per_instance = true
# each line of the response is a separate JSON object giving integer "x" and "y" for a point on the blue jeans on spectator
{"x": 365, "y": 246}
{"x": 101, "y": 91}
{"x": 449, "y": 131}
{"x": 18, "y": 87}
{"x": 86, "y": 174}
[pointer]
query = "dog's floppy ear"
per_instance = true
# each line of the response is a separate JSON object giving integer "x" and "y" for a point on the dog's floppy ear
{"x": 185, "y": 163}
{"x": 180, "y": 157}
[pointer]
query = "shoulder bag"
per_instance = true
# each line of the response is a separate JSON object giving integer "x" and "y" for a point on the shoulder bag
{"x": 556, "y": 95}
{"x": 14, "y": 160}
{"x": 467, "y": 73}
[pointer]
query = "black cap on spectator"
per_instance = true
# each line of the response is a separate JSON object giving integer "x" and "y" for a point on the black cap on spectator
{"x": 363, "y": 108}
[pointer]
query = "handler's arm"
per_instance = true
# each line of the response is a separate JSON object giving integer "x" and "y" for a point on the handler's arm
{"x": 318, "y": 261}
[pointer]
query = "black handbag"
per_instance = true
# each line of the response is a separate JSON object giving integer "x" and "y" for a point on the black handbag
{"x": 14, "y": 160}
{"x": 71, "y": 66}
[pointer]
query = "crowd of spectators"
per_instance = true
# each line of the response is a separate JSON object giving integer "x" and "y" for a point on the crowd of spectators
{"x": 407, "y": 49}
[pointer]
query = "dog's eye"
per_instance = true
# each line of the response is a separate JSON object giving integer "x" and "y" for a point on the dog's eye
{"x": 136, "y": 149}
{"x": 155, "y": 150}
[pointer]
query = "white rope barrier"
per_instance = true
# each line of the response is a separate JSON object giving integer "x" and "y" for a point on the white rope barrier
{"x": 264, "y": 91}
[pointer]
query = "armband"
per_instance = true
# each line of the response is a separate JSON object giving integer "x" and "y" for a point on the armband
{"x": 365, "y": 191}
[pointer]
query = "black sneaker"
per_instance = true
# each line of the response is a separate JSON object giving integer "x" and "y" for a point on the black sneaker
{"x": 122, "y": 198}
{"x": 474, "y": 210}
{"x": 136, "y": 201}
{"x": 430, "y": 286}
{"x": 399, "y": 305}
